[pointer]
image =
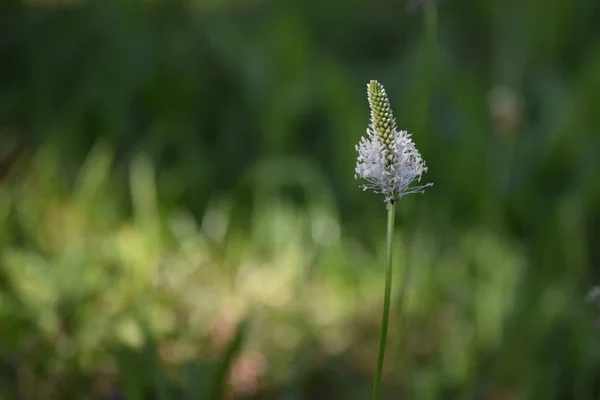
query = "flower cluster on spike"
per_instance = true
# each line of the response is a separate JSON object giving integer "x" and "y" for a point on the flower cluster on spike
{"x": 387, "y": 157}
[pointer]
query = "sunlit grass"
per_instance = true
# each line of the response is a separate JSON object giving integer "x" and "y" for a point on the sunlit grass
{"x": 88, "y": 277}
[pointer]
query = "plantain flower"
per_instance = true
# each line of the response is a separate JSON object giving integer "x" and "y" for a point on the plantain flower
{"x": 387, "y": 158}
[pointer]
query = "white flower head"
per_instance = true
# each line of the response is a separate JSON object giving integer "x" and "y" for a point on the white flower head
{"x": 388, "y": 158}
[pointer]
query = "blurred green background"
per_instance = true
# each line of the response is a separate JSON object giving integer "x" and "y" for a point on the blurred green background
{"x": 179, "y": 217}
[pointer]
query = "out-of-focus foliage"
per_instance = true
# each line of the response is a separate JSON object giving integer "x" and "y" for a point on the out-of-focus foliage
{"x": 179, "y": 218}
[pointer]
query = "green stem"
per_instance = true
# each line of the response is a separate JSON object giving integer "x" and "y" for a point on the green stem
{"x": 429, "y": 69}
{"x": 386, "y": 299}
{"x": 431, "y": 21}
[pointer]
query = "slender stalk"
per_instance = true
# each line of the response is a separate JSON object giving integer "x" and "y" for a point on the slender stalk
{"x": 386, "y": 299}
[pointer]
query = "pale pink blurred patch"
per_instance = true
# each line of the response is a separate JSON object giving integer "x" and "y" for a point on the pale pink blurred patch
{"x": 224, "y": 329}
{"x": 246, "y": 374}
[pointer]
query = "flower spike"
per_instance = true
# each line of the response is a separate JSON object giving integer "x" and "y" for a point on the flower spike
{"x": 387, "y": 157}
